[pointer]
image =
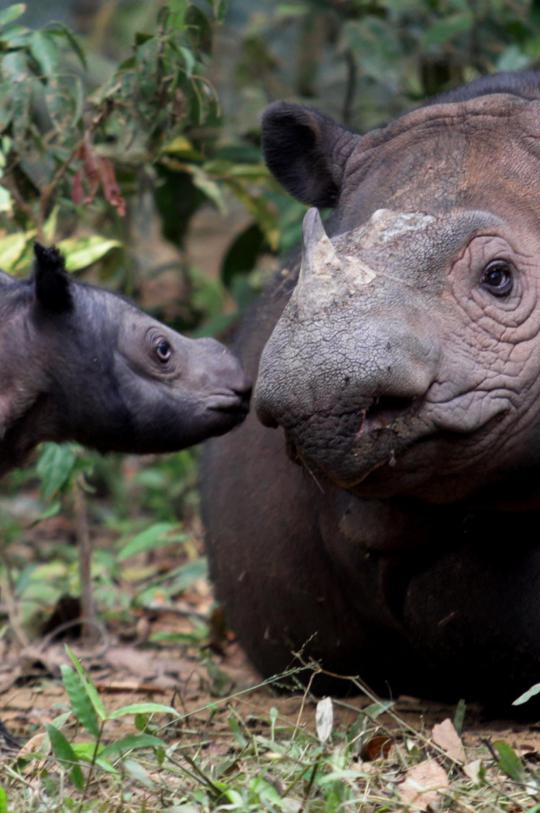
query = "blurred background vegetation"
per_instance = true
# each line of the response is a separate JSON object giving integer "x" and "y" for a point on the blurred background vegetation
{"x": 129, "y": 134}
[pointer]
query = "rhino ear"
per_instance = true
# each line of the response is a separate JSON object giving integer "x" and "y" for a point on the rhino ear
{"x": 306, "y": 152}
{"x": 52, "y": 284}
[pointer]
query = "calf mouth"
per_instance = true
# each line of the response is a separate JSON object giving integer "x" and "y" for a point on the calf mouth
{"x": 234, "y": 403}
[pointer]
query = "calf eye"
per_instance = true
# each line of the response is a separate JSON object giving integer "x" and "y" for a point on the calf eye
{"x": 498, "y": 278}
{"x": 163, "y": 350}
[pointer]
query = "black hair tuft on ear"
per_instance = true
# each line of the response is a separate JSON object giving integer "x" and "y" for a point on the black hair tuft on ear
{"x": 52, "y": 283}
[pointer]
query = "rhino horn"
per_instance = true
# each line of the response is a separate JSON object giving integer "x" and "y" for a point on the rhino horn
{"x": 319, "y": 257}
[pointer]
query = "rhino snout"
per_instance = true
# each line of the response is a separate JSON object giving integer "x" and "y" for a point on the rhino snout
{"x": 350, "y": 403}
{"x": 219, "y": 378}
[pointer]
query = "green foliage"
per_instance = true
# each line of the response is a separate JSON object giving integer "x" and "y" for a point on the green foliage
{"x": 96, "y": 149}
{"x": 509, "y": 762}
{"x": 526, "y": 696}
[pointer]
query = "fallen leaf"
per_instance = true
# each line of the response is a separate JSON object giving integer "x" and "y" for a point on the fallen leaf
{"x": 324, "y": 718}
{"x": 446, "y": 737}
{"x": 377, "y": 747}
{"x": 423, "y": 784}
{"x": 472, "y": 770}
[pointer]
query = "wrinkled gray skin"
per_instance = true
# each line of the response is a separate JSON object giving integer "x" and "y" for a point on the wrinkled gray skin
{"x": 80, "y": 363}
{"x": 381, "y": 518}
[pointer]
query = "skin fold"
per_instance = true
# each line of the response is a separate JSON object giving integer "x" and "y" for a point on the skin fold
{"x": 390, "y": 477}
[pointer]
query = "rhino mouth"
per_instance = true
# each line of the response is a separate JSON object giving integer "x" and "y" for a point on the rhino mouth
{"x": 348, "y": 446}
{"x": 391, "y": 444}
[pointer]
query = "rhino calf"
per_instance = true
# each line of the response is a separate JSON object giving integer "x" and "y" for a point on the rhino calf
{"x": 383, "y": 519}
{"x": 80, "y": 363}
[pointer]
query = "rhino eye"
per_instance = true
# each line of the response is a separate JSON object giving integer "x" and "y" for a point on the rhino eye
{"x": 497, "y": 278}
{"x": 163, "y": 350}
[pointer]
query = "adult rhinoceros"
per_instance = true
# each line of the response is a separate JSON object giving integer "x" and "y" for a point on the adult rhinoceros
{"x": 389, "y": 527}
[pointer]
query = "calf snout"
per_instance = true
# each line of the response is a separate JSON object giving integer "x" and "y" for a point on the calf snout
{"x": 220, "y": 378}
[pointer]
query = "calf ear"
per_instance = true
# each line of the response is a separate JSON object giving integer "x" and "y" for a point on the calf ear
{"x": 306, "y": 152}
{"x": 52, "y": 284}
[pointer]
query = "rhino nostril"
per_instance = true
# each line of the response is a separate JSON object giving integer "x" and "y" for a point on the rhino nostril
{"x": 383, "y": 410}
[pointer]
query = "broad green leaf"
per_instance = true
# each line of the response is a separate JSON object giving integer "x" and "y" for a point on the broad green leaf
{"x": 11, "y": 13}
{"x": 59, "y": 29}
{"x": 447, "y": 28}
{"x": 91, "y": 690}
{"x": 11, "y": 248}
{"x": 51, "y": 511}
{"x": 81, "y": 704}
{"x": 86, "y": 751}
{"x": 143, "y": 708}
{"x": 512, "y": 59}
{"x": 189, "y": 60}
{"x": 49, "y": 229}
{"x": 181, "y": 146}
{"x": 287, "y": 10}
{"x": 3, "y": 800}
{"x": 156, "y": 536}
{"x": 44, "y": 50}
{"x": 508, "y": 760}
{"x": 66, "y": 755}
{"x": 6, "y": 204}
{"x": 526, "y": 696}
{"x": 55, "y": 467}
{"x": 209, "y": 187}
{"x": 177, "y": 9}
{"x": 137, "y": 772}
{"x": 131, "y": 742}
{"x": 81, "y": 252}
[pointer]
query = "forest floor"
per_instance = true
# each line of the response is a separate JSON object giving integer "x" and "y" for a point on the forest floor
{"x": 228, "y": 741}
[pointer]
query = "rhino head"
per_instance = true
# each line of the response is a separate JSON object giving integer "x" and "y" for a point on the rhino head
{"x": 407, "y": 360}
{"x": 81, "y": 363}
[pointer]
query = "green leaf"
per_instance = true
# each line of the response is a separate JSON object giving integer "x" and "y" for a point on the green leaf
{"x": 66, "y": 755}
{"x": 143, "y": 708}
{"x": 137, "y": 772}
{"x": 91, "y": 690}
{"x": 86, "y": 751}
{"x": 446, "y": 29}
{"x": 44, "y": 50}
{"x": 55, "y": 467}
{"x": 189, "y": 60}
{"x": 459, "y": 716}
{"x": 131, "y": 742}
{"x": 3, "y": 800}
{"x": 11, "y": 249}
{"x": 60, "y": 30}
{"x": 81, "y": 252}
{"x": 209, "y": 187}
{"x": 526, "y": 696}
{"x": 11, "y": 13}
{"x": 81, "y": 704}
{"x": 177, "y": 14}
{"x": 156, "y": 536}
{"x": 508, "y": 760}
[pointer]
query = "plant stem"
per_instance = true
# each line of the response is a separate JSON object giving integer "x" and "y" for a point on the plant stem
{"x": 88, "y": 611}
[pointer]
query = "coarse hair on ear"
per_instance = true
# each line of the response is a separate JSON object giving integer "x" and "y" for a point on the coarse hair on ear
{"x": 306, "y": 151}
{"x": 52, "y": 283}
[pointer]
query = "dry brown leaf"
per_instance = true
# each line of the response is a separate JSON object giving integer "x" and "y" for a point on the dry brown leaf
{"x": 377, "y": 747}
{"x": 446, "y": 737}
{"x": 423, "y": 784}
